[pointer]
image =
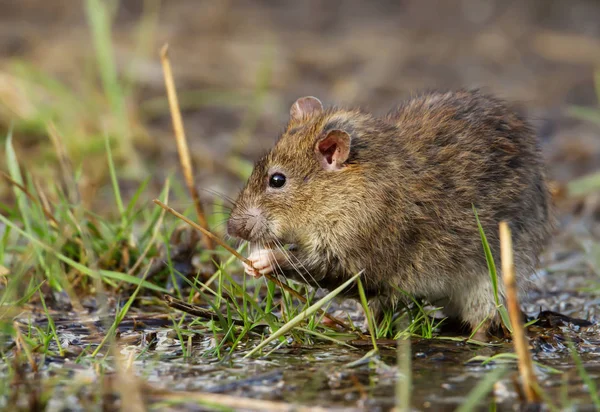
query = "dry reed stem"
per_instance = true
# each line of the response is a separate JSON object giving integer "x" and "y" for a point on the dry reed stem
{"x": 243, "y": 259}
{"x": 520, "y": 342}
{"x": 182, "y": 147}
{"x": 229, "y": 401}
{"x": 128, "y": 385}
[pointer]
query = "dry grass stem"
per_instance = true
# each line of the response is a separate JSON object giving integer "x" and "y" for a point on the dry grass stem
{"x": 31, "y": 197}
{"x": 228, "y": 401}
{"x": 235, "y": 253}
{"x": 128, "y": 385}
{"x": 520, "y": 342}
{"x": 196, "y": 310}
{"x": 65, "y": 163}
{"x": 22, "y": 345}
{"x": 182, "y": 147}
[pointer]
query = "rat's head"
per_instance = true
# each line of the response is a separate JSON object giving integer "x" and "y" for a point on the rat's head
{"x": 302, "y": 188}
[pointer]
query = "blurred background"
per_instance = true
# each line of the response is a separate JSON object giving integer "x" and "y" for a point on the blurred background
{"x": 92, "y": 69}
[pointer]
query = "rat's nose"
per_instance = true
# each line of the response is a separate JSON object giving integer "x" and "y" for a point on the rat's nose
{"x": 248, "y": 225}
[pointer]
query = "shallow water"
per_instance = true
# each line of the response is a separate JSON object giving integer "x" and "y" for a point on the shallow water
{"x": 443, "y": 372}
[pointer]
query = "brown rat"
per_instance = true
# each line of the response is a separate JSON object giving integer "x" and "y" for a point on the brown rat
{"x": 393, "y": 196}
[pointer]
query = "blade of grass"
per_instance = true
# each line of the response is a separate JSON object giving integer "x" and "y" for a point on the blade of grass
{"x": 22, "y": 300}
{"x": 506, "y": 357}
{"x": 52, "y": 325}
{"x": 481, "y": 390}
{"x": 492, "y": 272}
{"x": 155, "y": 232}
{"x": 25, "y": 211}
{"x": 488, "y": 257}
{"x": 584, "y": 185}
{"x": 100, "y": 23}
{"x": 303, "y": 315}
{"x": 325, "y": 337}
{"x": 585, "y": 377}
{"x": 99, "y": 274}
{"x": 365, "y": 305}
{"x": 585, "y": 113}
{"x": 114, "y": 181}
{"x": 120, "y": 315}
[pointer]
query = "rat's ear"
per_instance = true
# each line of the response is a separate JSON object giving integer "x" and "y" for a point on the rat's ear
{"x": 305, "y": 107}
{"x": 333, "y": 149}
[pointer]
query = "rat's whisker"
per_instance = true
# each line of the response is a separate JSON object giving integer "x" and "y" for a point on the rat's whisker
{"x": 219, "y": 194}
{"x": 289, "y": 256}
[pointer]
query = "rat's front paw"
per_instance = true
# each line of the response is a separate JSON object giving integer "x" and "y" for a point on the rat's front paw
{"x": 264, "y": 262}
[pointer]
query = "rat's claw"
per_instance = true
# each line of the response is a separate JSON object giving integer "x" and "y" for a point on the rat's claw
{"x": 263, "y": 262}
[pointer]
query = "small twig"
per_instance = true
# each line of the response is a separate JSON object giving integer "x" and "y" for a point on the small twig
{"x": 247, "y": 261}
{"x": 198, "y": 311}
{"x": 195, "y": 310}
{"x": 520, "y": 343}
{"x": 182, "y": 147}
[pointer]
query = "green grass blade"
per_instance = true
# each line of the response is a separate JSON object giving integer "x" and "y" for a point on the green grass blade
{"x": 100, "y": 23}
{"x": 52, "y": 325}
{"x": 100, "y": 274}
{"x": 585, "y": 113}
{"x": 584, "y": 185}
{"x": 493, "y": 273}
{"x": 120, "y": 315}
{"x": 115, "y": 182}
{"x": 22, "y": 204}
{"x": 136, "y": 196}
{"x": 303, "y": 315}
{"x": 25, "y": 298}
{"x": 370, "y": 322}
{"x": 591, "y": 385}
{"x": 488, "y": 257}
{"x": 324, "y": 336}
{"x": 481, "y": 390}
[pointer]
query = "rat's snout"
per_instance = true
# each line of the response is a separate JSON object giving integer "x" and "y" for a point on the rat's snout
{"x": 249, "y": 224}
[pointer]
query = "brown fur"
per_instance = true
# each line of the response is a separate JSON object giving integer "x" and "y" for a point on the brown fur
{"x": 401, "y": 206}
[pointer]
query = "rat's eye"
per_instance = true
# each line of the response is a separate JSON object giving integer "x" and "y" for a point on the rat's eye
{"x": 277, "y": 180}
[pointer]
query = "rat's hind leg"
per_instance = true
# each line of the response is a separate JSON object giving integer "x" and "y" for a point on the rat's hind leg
{"x": 473, "y": 303}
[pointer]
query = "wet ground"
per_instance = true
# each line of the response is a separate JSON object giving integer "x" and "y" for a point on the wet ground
{"x": 444, "y": 372}
{"x": 541, "y": 53}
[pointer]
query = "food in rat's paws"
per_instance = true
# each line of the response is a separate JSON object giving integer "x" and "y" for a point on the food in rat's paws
{"x": 344, "y": 191}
